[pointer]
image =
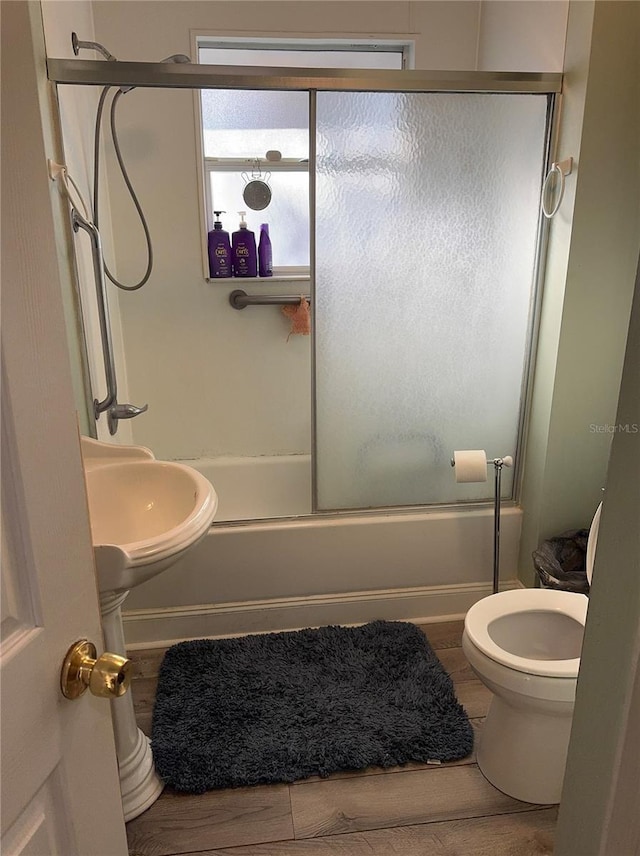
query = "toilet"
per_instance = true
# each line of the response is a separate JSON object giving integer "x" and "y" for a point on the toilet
{"x": 524, "y": 645}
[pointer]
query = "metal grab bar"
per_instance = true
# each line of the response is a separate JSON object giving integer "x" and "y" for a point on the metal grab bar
{"x": 110, "y": 401}
{"x": 79, "y": 222}
{"x": 239, "y": 299}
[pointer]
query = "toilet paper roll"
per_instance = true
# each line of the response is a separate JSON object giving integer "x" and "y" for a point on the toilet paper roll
{"x": 470, "y": 465}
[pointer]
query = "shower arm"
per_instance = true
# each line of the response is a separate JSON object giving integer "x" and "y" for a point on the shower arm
{"x": 110, "y": 401}
{"x": 78, "y": 45}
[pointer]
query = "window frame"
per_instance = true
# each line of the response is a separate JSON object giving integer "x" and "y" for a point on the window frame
{"x": 209, "y": 165}
{"x": 404, "y": 47}
{"x": 213, "y": 165}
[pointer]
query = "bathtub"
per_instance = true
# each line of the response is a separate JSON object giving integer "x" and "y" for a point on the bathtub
{"x": 262, "y": 487}
{"x": 251, "y": 574}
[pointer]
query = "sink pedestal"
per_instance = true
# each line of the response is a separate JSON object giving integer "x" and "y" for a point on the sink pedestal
{"x": 145, "y": 515}
{"x": 140, "y": 785}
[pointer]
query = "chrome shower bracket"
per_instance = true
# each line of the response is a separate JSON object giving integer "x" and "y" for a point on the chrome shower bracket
{"x": 123, "y": 411}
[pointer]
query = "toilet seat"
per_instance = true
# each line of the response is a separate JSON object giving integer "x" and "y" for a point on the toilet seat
{"x": 482, "y": 613}
{"x": 592, "y": 542}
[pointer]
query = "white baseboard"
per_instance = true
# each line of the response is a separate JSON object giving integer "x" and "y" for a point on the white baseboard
{"x": 155, "y": 628}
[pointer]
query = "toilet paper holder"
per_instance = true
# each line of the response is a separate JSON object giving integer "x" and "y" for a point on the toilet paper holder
{"x": 498, "y": 464}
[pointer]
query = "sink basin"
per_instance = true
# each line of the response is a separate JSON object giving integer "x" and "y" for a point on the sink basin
{"x": 145, "y": 514}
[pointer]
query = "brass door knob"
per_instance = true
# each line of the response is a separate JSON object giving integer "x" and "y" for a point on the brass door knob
{"x": 107, "y": 676}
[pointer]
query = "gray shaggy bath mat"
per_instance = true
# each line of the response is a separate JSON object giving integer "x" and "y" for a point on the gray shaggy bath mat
{"x": 285, "y": 706}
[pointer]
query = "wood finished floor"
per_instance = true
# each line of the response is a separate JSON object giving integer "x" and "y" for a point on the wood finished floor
{"x": 416, "y": 810}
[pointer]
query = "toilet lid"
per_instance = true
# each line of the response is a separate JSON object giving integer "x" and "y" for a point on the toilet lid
{"x": 496, "y": 606}
{"x": 593, "y": 540}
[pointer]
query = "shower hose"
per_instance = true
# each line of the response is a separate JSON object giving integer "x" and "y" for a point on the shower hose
{"x": 127, "y": 181}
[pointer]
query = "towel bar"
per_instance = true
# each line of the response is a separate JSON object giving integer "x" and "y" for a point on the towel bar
{"x": 239, "y": 299}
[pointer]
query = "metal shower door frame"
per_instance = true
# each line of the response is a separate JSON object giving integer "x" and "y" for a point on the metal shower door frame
{"x": 533, "y": 322}
{"x": 196, "y": 76}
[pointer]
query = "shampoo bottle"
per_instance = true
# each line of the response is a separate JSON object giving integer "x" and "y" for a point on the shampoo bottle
{"x": 265, "y": 264}
{"x": 243, "y": 246}
{"x": 219, "y": 250}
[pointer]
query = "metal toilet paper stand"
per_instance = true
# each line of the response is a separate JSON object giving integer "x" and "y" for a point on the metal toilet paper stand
{"x": 498, "y": 464}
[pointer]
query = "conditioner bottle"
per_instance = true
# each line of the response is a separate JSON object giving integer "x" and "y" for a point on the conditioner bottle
{"x": 265, "y": 263}
{"x": 219, "y": 250}
{"x": 243, "y": 250}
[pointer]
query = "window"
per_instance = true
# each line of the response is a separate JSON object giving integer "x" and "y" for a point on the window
{"x": 239, "y": 127}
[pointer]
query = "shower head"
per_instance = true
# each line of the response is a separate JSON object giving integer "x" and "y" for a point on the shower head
{"x": 177, "y": 58}
{"x": 173, "y": 58}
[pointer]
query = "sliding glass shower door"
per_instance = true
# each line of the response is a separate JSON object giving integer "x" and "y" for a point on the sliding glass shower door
{"x": 427, "y": 219}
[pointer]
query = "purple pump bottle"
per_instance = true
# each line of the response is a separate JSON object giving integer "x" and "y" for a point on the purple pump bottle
{"x": 219, "y": 250}
{"x": 243, "y": 250}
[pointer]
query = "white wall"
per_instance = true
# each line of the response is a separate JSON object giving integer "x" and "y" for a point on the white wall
{"x": 591, "y": 264}
{"x": 599, "y": 813}
{"x": 220, "y": 381}
{"x": 64, "y": 246}
{"x": 77, "y": 106}
{"x": 522, "y": 36}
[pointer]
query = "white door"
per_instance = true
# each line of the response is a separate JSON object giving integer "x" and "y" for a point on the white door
{"x": 60, "y": 792}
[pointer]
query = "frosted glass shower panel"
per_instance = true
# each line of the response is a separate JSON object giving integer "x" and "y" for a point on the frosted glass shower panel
{"x": 426, "y": 236}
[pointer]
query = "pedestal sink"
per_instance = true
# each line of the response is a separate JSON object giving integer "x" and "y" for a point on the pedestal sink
{"x": 145, "y": 515}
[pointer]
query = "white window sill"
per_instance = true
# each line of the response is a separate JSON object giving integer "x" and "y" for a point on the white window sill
{"x": 238, "y": 280}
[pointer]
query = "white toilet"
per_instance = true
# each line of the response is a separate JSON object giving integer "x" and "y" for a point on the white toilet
{"x": 525, "y": 646}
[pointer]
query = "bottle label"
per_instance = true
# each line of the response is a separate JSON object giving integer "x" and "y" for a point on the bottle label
{"x": 244, "y": 259}
{"x": 219, "y": 260}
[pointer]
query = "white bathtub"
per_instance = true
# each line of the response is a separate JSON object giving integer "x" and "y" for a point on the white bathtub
{"x": 262, "y": 487}
{"x": 255, "y": 575}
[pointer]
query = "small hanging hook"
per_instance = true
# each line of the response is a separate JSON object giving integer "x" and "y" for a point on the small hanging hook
{"x": 562, "y": 169}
